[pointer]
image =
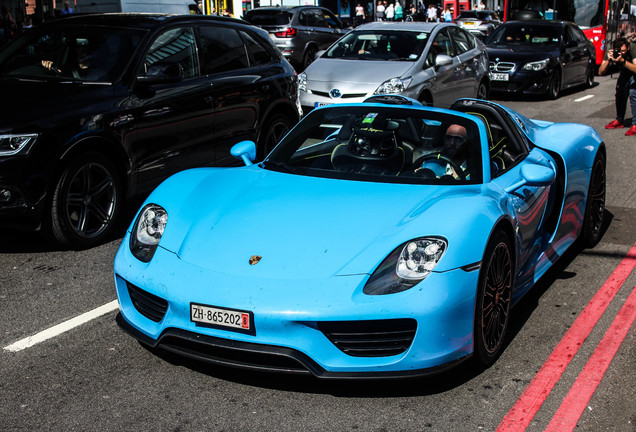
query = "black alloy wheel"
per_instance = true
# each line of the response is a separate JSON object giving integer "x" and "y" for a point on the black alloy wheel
{"x": 555, "y": 85}
{"x": 85, "y": 202}
{"x": 589, "y": 77}
{"x": 482, "y": 91}
{"x": 595, "y": 204}
{"x": 275, "y": 128}
{"x": 494, "y": 293}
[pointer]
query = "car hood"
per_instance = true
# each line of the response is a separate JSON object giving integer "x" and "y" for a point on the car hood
{"x": 41, "y": 103}
{"x": 521, "y": 52}
{"x": 336, "y": 72}
{"x": 305, "y": 227}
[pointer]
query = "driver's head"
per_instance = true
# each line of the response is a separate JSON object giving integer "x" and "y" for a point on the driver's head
{"x": 456, "y": 143}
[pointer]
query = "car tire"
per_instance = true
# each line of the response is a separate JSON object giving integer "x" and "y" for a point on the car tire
{"x": 589, "y": 77}
{"x": 482, "y": 91}
{"x": 274, "y": 129}
{"x": 86, "y": 200}
{"x": 426, "y": 99}
{"x": 554, "y": 88}
{"x": 595, "y": 204}
{"x": 309, "y": 57}
{"x": 492, "y": 306}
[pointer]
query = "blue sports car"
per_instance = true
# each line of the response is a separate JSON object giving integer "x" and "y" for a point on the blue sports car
{"x": 378, "y": 239}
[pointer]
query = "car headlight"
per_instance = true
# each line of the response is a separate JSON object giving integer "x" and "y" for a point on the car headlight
{"x": 11, "y": 144}
{"x": 394, "y": 85}
{"x": 536, "y": 66}
{"x": 406, "y": 266}
{"x": 147, "y": 232}
{"x": 302, "y": 82}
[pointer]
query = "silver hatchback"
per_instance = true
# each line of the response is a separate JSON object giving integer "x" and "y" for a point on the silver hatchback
{"x": 435, "y": 63}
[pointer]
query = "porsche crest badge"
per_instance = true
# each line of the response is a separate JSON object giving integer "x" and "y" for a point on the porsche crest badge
{"x": 254, "y": 259}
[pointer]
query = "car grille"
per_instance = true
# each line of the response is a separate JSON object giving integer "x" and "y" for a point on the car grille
{"x": 502, "y": 67}
{"x": 376, "y": 338}
{"x": 149, "y": 305}
{"x": 344, "y": 95}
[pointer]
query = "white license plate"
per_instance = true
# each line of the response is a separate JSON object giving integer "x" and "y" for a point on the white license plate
{"x": 499, "y": 76}
{"x": 215, "y": 316}
{"x": 319, "y": 104}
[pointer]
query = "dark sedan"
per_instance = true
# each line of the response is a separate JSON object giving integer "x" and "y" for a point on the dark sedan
{"x": 107, "y": 106}
{"x": 539, "y": 57}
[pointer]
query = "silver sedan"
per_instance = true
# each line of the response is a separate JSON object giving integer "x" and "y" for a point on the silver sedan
{"x": 435, "y": 63}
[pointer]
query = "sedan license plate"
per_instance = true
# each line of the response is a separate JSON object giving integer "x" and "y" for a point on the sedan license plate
{"x": 231, "y": 319}
{"x": 499, "y": 76}
{"x": 469, "y": 24}
{"x": 319, "y": 104}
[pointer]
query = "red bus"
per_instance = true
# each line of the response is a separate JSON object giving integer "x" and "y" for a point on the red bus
{"x": 602, "y": 21}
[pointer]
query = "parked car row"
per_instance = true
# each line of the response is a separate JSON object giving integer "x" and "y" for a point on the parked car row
{"x": 124, "y": 101}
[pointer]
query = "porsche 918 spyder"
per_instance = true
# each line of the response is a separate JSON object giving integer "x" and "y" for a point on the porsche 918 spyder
{"x": 378, "y": 239}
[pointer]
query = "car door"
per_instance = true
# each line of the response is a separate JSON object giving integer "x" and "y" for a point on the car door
{"x": 235, "y": 62}
{"x": 468, "y": 70}
{"x": 444, "y": 82}
{"x": 174, "y": 117}
{"x": 574, "y": 58}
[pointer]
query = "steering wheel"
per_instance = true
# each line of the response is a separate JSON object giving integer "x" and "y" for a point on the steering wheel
{"x": 438, "y": 156}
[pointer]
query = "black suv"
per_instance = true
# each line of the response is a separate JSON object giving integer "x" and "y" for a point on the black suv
{"x": 107, "y": 106}
{"x": 300, "y": 31}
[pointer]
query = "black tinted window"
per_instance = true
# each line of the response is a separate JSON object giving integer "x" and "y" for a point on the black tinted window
{"x": 82, "y": 53}
{"x": 175, "y": 46}
{"x": 268, "y": 17}
{"x": 222, "y": 50}
{"x": 258, "y": 51}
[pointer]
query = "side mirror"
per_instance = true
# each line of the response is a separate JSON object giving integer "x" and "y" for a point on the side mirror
{"x": 534, "y": 175}
{"x": 443, "y": 60}
{"x": 245, "y": 151}
{"x": 162, "y": 73}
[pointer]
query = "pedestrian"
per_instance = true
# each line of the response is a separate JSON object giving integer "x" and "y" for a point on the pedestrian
{"x": 448, "y": 15}
{"x": 621, "y": 59}
{"x": 359, "y": 15}
{"x": 66, "y": 10}
{"x": 481, "y": 6}
{"x": 431, "y": 13}
{"x": 379, "y": 11}
{"x": 389, "y": 12}
{"x": 399, "y": 12}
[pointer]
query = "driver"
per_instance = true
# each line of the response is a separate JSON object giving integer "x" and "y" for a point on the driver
{"x": 456, "y": 149}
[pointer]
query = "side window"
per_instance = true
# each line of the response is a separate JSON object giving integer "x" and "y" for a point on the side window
{"x": 258, "y": 51}
{"x": 222, "y": 50}
{"x": 442, "y": 44}
{"x": 175, "y": 46}
{"x": 463, "y": 41}
{"x": 303, "y": 18}
{"x": 332, "y": 21}
{"x": 318, "y": 18}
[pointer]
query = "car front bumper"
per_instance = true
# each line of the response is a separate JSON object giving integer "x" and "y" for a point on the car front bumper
{"x": 289, "y": 318}
{"x": 527, "y": 82}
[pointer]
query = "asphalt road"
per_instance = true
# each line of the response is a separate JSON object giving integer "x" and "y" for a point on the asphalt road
{"x": 95, "y": 377}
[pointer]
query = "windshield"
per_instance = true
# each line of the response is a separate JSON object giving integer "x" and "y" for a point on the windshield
{"x": 268, "y": 17}
{"x": 94, "y": 54}
{"x": 377, "y": 143}
{"x": 379, "y": 45}
{"x": 520, "y": 33}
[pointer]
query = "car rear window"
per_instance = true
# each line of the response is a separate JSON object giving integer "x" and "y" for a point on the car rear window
{"x": 268, "y": 17}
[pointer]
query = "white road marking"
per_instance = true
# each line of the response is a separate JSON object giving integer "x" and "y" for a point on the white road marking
{"x": 581, "y": 99}
{"x": 62, "y": 327}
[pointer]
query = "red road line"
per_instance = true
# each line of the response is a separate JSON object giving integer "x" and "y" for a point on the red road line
{"x": 581, "y": 392}
{"x": 524, "y": 410}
